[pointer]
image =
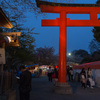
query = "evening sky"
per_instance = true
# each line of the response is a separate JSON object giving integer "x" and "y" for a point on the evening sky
{"x": 77, "y": 37}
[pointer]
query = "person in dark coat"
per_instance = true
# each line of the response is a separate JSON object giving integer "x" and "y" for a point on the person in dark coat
{"x": 55, "y": 76}
{"x": 25, "y": 83}
{"x": 50, "y": 74}
{"x": 71, "y": 74}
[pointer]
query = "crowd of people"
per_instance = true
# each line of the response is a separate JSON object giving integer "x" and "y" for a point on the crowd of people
{"x": 85, "y": 77}
{"x": 25, "y": 78}
{"x": 53, "y": 75}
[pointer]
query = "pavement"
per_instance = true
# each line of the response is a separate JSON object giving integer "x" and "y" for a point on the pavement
{"x": 42, "y": 89}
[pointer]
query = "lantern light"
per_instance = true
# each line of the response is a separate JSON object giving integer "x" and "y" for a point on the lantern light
{"x": 7, "y": 39}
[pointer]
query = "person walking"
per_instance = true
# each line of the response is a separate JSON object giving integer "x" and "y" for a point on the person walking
{"x": 71, "y": 74}
{"x": 83, "y": 78}
{"x": 50, "y": 74}
{"x": 25, "y": 83}
{"x": 55, "y": 76}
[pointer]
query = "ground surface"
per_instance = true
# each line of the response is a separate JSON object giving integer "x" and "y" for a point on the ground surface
{"x": 42, "y": 89}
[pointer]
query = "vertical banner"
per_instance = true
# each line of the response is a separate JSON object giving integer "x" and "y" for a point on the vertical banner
{"x": 2, "y": 56}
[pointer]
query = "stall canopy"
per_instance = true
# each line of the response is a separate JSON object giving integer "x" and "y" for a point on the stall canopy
{"x": 4, "y": 21}
{"x": 31, "y": 65}
{"x": 92, "y": 65}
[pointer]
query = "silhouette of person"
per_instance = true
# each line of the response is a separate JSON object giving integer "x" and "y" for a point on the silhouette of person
{"x": 25, "y": 83}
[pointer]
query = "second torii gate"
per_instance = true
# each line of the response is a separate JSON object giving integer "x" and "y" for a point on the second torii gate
{"x": 63, "y": 22}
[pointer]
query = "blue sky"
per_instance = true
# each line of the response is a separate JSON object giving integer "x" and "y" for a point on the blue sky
{"x": 77, "y": 37}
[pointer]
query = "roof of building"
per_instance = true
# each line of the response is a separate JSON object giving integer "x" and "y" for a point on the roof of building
{"x": 4, "y": 21}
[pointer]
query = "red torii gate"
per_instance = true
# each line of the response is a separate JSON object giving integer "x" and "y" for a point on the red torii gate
{"x": 63, "y": 22}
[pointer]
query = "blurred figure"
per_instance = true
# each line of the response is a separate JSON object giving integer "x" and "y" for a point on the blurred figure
{"x": 18, "y": 73}
{"x": 40, "y": 72}
{"x": 83, "y": 78}
{"x": 90, "y": 81}
{"x": 89, "y": 73}
{"x": 50, "y": 74}
{"x": 25, "y": 83}
{"x": 71, "y": 74}
{"x": 55, "y": 76}
{"x": 18, "y": 76}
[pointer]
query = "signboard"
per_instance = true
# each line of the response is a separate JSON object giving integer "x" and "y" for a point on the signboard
{"x": 2, "y": 56}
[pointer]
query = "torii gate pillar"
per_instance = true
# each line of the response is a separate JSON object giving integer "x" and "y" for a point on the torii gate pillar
{"x": 62, "y": 48}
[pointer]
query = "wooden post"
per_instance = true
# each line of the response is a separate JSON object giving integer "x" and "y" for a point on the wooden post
{"x": 1, "y": 69}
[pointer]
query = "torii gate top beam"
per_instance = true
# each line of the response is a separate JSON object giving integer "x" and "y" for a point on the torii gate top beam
{"x": 39, "y": 2}
{"x": 92, "y": 9}
{"x": 51, "y": 7}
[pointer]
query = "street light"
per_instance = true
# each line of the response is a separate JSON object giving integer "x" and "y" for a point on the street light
{"x": 69, "y": 54}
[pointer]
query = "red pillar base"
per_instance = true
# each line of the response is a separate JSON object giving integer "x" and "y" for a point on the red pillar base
{"x": 63, "y": 88}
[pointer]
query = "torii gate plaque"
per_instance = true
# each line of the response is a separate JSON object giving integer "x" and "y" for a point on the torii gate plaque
{"x": 63, "y": 22}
